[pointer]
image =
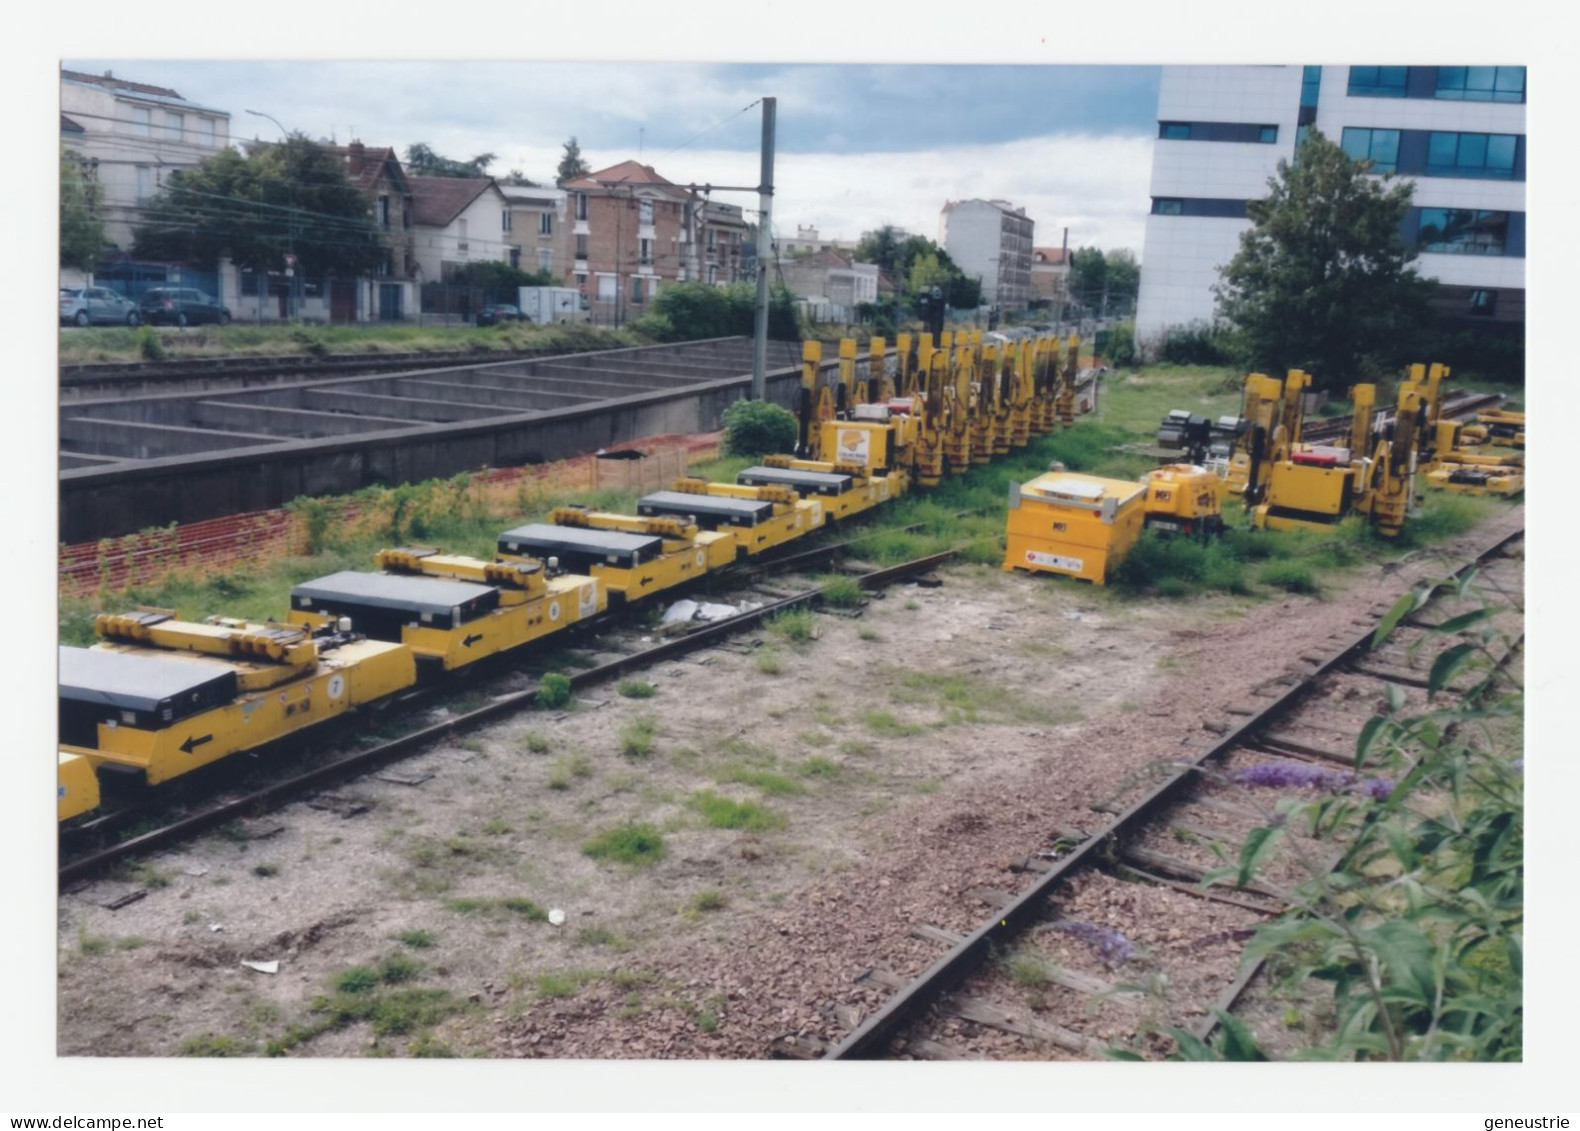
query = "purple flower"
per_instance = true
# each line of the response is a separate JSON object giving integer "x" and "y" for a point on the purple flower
{"x": 1111, "y": 946}
{"x": 1288, "y": 775}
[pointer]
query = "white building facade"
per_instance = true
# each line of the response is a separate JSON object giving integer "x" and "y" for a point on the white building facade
{"x": 132, "y": 135}
{"x": 1457, "y": 132}
{"x": 990, "y": 240}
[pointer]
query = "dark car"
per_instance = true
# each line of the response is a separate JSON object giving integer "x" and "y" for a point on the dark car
{"x": 181, "y": 306}
{"x": 83, "y": 305}
{"x": 496, "y": 312}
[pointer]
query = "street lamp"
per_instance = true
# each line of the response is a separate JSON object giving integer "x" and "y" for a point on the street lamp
{"x": 290, "y": 219}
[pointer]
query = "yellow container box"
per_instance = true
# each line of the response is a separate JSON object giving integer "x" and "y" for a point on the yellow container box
{"x": 1077, "y": 525}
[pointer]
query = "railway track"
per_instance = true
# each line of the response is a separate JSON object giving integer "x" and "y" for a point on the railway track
{"x": 1039, "y": 976}
{"x": 86, "y": 862}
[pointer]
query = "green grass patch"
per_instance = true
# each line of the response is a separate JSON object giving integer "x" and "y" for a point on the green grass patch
{"x": 725, "y": 813}
{"x": 1290, "y": 576}
{"x": 819, "y": 767}
{"x": 214, "y": 1044}
{"x": 797, "y": 625}
{"x": 512, "y": 904}
{"x": 709, "y": 899}
{"x": 775, "y": 785}
{"x": 637, "y": 689}
{"x": 636, "y": 737}
{"x": 842, "y": 592}
{"x": 768, "y": 662}
{"x": 566, "y": 983}
{"x": 635, "y": 844}
{"x": 536, "y": 742}
{"x": 416, "y": 939}
{"x": 886, "y": 724}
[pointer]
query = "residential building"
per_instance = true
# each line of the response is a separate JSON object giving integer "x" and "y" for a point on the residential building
{"x": 1457, "y": 133}
{"x": 1050, "y": 275}
{"x": 133, "y": 135}
{"x": 540, "y": 237}
{"x": 457, "y": 221}
{"x": 632, "y": 230}
{"x": 830, "y": 284}
{"x": 990, "y": 240}
{"x": 721, "y": 244}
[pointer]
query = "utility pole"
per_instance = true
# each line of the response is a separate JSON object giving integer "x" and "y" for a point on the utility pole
{"x": 765, "y": 201}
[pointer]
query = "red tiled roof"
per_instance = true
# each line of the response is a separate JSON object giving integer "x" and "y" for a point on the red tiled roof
{"x": 627, "y": 172}
{"x": 373, "y": 161}
{"x": 827, "y": 257}
{"x": 435, "y": 201}
{"x": 113, "y": 83}
{"x": 1048, "y": 254}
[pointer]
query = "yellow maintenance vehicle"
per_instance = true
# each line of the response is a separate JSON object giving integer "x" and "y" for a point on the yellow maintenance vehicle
{"x": 76, "y": 786}
{"x": 629, "y": 555}
{"x": 852, "y": 455}
{"x": 1077, "y": 525}
{"x": 933, "y": 423}
{"x": 1066, "y": 399}
{"x": 759, "y": 518}
{"x": 1184, "y": 498}
{"x": 158, "y": 697}
{"x": 451, "y": 610}
{"x": 1477, "y": 458}
{"x": 960, "y": 439}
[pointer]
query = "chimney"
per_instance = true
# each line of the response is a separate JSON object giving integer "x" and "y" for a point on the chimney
{"x": 354, "y": 154}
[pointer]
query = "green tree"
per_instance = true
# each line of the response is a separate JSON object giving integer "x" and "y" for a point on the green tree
{"x": 494, "y": 275}
{"x": 81, "y": 230}
{"x": 692, "y": 311}
{"x": 1088, "y": 276}
{"x": 882, "y": 247}
{"x": 1123, "y": 276}
{"x": 255, "y": 208}
{"x": 571, "y": 164}
{"x": 1322, "y": 281}
{"x": 424, "y": 162}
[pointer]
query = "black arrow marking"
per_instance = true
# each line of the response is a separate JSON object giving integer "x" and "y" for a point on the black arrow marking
{"x": 646, "y": 581}
{"x": 192, "y": 744}
{"x": 468, "y": 641}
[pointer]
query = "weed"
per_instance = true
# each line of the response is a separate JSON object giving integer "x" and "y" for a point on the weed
{"x": 266, "y": 870}
{"x": 819, "y": 738}
{"x": 636, "y": 737}
{"x": 637, "y": 689}
{"x": 498, "y": 826}
{"x": 1290, "y": 576}
{"x": 535, "y": 742}
{"x": 1027, "y": 970}
{"x": 471, "y": 745}
{"x": 709, "y": 899}
{"x": 416, "y": 939}
{"x": 843, "y": 593}
{"x": 911, "y": 606}
{"x": 856, "y": 748}
{"x": 355, "y": 979}
{"x": 636, "y": 844}
{"x": 819, "y": 767}
{"x": 768, "y": 662}
{"x": 211, "y": 1044}
{"x": 884, "y": 723}
{"x": 554, "y": 690}
{"x": 524, "y": 907}
{"x": 568, "y": 767}
{"x": 91, "y": 945}
{"x": 868, "y": 634}
{"x": 630, "y": 979}
{"x": 564, "y": 984}
{"x": 151, "y": 878}
{"x": 797, "y": 625}
{"x": 130, "y": 942}
{"x": 766, "y": 780}
{"x": 724, "y": 813}
{"x": 426, "y": 1047}
{"x": 398, "y": 968}
{"x": 600, "y": 936}
{"x": 191, "y": 917}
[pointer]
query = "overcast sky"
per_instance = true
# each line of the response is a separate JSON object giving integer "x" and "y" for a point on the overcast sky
{"x": 857, "y": 146}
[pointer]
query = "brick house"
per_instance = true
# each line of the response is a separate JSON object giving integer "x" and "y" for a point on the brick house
{"x": 540, "y": 238}
{"x": 631, "y": 231}
{"x": 1050, "y": 275}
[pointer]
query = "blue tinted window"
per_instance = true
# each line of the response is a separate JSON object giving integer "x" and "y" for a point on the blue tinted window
{"x": 1378, "y": 82}
{"x": 1380, "y": 147}
{"x": 1463, "y": 231}
{"x": 1310, "y": 85}
{"x": 1177, "y": 130}
{"x": 1471, "y": 155}
{"x": 1481, "y": 84}
{"x": 1268, "y": 134}
{"x": 1166, "y": 206}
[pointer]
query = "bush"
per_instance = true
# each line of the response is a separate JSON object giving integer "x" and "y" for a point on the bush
{"x": 554, "y": 690}
{"x": 1197, "y": 343}
{"x": 1289, "y": 575}
{"x": 1121, "y": 349}
{"x": 149, "y": 347}
{"x": 757, "y": 428}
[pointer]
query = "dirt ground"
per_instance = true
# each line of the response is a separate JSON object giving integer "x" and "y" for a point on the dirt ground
{"x": 883, "y": 769}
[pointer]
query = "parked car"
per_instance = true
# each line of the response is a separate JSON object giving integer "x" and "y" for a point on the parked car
{"x": 84, "y": 305}
{"x": 181, "y": 306}
{"x": 496, "y": 312}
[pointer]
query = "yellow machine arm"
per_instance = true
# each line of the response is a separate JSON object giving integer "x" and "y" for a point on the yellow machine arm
{"x": 657, "y": 526}
{"x": 290, "y": 645}
{"x": 524, "y": 575}
{"x": 905, "y": 372}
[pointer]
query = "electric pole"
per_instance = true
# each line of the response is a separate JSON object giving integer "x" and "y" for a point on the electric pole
{"x": 765, "y": 200}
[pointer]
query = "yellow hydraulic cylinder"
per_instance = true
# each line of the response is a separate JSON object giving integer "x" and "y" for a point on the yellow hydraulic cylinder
{"x": 929, "y": 448}
{"x": 855, "y": 391}
{"x": 984, "y": 406}
{"x": 957, "y": 445}
{"x": 1004, "y": 399}
{"x": 880, "y": 390}
{"x": 1065, "y": 403}
{"x": 904, "y": 367}
{"x": 1023, "y": 391}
